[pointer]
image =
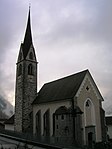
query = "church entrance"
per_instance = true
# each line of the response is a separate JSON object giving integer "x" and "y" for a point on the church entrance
{"x": 90, "y": 135}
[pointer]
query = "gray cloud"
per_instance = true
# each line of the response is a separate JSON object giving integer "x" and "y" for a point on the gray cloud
{"x": 9, "y": 30}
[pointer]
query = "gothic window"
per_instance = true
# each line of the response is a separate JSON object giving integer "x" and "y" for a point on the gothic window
{"x": 20, "y": 70}
{"x": 88, "y": 103}
{"x": 30, "y": 69}
{"x": 31, "y": 56}
{"x": 89, "y": 113}
{"x": 62, "y": 117}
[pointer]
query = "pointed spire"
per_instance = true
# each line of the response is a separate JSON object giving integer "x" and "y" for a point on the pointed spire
{"x": 28, "y": 37}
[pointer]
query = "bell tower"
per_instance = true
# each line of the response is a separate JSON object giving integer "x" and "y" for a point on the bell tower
{"x": 26, "y": 82}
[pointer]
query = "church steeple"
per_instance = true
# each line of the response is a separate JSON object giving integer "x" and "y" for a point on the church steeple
{"x": 26, "y": 82}
{"x": 28, "y": 38}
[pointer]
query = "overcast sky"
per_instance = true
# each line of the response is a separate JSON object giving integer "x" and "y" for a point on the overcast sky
{"x": 68, "y": 35}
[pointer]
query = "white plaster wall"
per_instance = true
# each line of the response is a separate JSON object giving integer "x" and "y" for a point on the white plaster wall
{"x": 109, "y": 132}
{"x": 92, "y": 94}
{"x": 52, "y": 106}
{"x": 9, "y": 127}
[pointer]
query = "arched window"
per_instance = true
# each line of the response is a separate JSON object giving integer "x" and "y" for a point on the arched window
{"x": 89, "y": 112}
{"x": 20, "y": 70}
{"x": 30, "y": 69}
{"x": 88, "y": 103}
{"x": 31, "y": 56}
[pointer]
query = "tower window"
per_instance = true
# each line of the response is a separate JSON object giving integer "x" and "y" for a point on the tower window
{"x": 20, "y": 70}
{"x": 30, "y": 69}
{"x": 31, "y": 56}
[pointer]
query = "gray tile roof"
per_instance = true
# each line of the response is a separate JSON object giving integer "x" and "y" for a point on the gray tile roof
{"x": 10, "y": 120}
{"x": 62, "y": 89}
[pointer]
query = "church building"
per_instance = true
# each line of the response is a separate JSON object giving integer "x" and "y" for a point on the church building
{"x": 69, "y": 107}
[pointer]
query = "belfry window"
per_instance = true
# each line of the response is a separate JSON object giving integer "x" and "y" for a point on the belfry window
{"x": 20, "y": 70}
{"x": 30, "y": 69}
{"x": 31, "y": 56}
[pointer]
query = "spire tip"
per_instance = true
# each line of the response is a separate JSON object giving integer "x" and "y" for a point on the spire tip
{"x": 29, "y": 5}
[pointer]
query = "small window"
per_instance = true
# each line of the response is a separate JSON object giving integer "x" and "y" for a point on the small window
{"x": 87, "y": 103}
{"x": 30, "y": 69}
{"x": 62, "y": 117}
{"x": 20, "y": 70}
{"x": 87, "y": 88}
{"x": 57, "y": 126}
{"x": 31, "y": 56}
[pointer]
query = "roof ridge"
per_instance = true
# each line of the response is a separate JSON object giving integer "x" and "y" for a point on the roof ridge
{"x": 86, "y": 70}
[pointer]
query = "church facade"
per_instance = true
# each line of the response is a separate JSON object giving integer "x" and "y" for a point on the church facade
{"x": 70, "y": 106}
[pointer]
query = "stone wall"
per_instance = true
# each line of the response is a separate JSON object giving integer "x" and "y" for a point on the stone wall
{"x": 26, "y": 90}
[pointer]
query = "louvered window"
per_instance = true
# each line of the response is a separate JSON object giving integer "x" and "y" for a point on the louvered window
{"x": 30, "y": 69}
